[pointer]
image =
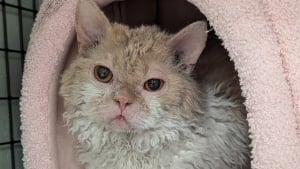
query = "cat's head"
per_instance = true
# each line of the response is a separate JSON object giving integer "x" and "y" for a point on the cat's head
{"x": 131, "y": 80}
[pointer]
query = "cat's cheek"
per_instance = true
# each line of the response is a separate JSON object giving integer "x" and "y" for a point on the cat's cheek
{"x": 135, "y": 113}
{"x": 108, "y": 113}
{"x": 153, "y": 102}
{"x": 150, "y": 117}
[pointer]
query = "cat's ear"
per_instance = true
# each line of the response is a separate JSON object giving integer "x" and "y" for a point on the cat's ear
{"x": 91, "y": 24}
{"x": 188, "y": 44}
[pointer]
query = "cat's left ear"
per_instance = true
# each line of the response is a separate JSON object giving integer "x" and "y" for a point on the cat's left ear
{"x": 91, "y": 24}
{"x": 188, "y": 44}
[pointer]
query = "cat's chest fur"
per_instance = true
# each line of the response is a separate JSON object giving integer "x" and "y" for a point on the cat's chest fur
{"x": 121, "y": 155}
{"x": 124, "y": 158}
{"x": 214, "y": 141}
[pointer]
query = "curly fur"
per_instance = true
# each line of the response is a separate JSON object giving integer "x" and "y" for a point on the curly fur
{"x": 190, "y": 126}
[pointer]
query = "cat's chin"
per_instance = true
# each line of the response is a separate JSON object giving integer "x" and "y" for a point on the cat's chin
{"x": 121, "y": 125}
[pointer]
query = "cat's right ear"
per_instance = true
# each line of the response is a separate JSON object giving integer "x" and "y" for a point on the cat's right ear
{"x": 91, "y": 24}
{"x": 188, "y": 44}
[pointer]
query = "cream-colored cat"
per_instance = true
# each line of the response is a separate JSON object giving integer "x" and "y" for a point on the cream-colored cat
{"x": 132, "y": 103}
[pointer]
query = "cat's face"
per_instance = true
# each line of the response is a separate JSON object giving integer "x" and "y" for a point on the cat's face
{"x": 130, "y": 80}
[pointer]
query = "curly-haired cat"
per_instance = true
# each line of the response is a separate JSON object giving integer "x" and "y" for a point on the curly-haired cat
{"x": 131, "y": 100}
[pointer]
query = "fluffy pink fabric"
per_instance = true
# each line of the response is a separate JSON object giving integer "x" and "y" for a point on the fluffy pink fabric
{"x": 262, "y": 37}
{"x": 50, "y": 40}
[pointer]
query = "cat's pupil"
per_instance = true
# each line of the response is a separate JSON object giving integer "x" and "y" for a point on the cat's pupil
{"x": 103, "y": 72}
{"x": 154, "y": 84}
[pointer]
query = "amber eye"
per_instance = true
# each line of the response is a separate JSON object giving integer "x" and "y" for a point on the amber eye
{"x": 103, "y": 74}
{"x": 153, "y": 84}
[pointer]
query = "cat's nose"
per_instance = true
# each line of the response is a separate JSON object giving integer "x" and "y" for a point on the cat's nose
{"x": 124, "y": 98}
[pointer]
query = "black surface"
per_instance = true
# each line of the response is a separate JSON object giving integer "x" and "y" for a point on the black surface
{"x": 9, "y": 98}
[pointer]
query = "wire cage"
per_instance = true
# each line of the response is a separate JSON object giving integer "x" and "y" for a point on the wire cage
{"x": 16, "y": 20}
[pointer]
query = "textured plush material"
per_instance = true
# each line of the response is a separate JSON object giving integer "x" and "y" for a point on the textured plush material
{"x": 262, "y": 37}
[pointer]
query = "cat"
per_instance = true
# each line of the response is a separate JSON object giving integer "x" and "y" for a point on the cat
{"x": 132, "y": 101}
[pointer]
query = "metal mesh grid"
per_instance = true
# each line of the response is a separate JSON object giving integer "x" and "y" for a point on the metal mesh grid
{"x": 16, "y": 22}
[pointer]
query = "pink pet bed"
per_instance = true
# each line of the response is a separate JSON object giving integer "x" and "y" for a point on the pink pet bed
{"x": 261, "y": 36}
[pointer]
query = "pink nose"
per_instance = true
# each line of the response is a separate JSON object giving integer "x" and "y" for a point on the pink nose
{"x": 124, "y": 98}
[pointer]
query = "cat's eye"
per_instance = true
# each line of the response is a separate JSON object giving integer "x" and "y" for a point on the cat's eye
{"x": 103, "y": 74}
{"x": 153, "y": 84}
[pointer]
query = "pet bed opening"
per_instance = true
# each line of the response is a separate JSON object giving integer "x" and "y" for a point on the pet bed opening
{"x": 259, "y": 35}
{"x": 170, "y": 17}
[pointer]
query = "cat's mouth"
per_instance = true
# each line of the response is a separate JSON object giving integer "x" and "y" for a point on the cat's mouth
{"x": 120, "y": 117}
{"x": 120, "y": 122}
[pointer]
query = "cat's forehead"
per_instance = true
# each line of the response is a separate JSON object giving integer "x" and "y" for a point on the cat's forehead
{"x": 134, "y": 64}
{"x": 132, "y": 51}
{"x": 129, "y": 69}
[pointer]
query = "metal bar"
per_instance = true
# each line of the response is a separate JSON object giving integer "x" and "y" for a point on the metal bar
{"x": 21, "y": 33}
{"x": 34, "y": 8}
{"x": 12, "y": 148}
{"x": 9, "y": 98}
{"x": 12, "y": 50}
{"x": 15, "y": 6}
{"x": 10, "y": 142}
